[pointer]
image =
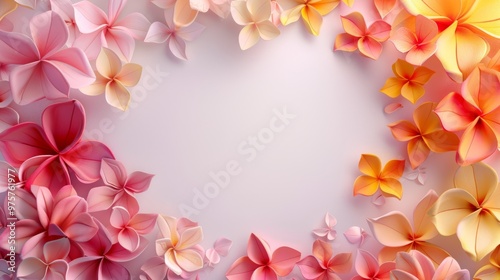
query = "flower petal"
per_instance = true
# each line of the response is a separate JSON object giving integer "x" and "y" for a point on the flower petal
{"x": 184, "y": 15}
{"x": 423, "y": 227}
{"x": 241, "y": 269}
{"x": 404, "y": 131}
{"x": 346, "y": 42}
{"x": 189, "y": 260}
{"x": 370, "y": 47}
{"x": 138, "y": 182}
{"x": 312, "y": 18}
{"x": 450, "y": 208}
{"x": 74, "y": 66}
{"x": 310, "y": 268}
{"x": 56, "y": 250}
{"x": 366, "y": 265}
{"x": 258, "y": 250}
{"x": 130, "y": 74}
{"x": 478, "y": 142}
{"x": 479, "y": 180}
{"x": 31, "y": 268}
{"x": 101, "y": 198}
{"x": 455, "y": 112}
{"x": 392, "y": 229}
{"x": 16, "y": 48}
{"x": 88, "y": 17}
{"x": 249, "y": 36}
{"x": 477, "y": 234}
{"x": 354, "y": 24}
{"x": 117, "y": 95}
{"x": 189, "y": 238}
{"x": 63, "y": 124}
{"x": 22, "y": 142}
{"x": 49, "y": 32}
{"x": 365, "y": 185}
{"x": 284, "y": 260}
{"x": 379, "y": 30}
{"x": 158, "y": 32}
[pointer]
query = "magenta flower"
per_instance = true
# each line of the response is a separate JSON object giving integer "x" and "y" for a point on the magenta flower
{"x": 51, "y": 266}
{"x": 108, "y": 31}
{"x": 45, "y": 153}
{"x": 102, "y": 259}
{"x": 119, "y": 189}
{"x": 43, "y": 68}
{"x": 131, "y": 226}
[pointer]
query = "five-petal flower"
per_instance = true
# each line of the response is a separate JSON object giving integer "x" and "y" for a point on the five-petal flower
{"x": 323, "y": 265}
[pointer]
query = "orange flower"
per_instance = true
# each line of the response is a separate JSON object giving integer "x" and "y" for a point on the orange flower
{"x": 409, "y": 81}
{"x": 425, "y": 135}
{"x": 477, "y": 111}
{"x": 464, "y": 24}
{"x": 358, "y": 36}
{"x": 375, "y": 177}
{"x": 395, "y": 232}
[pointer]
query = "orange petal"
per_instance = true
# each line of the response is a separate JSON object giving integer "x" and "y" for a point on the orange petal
{"x": 391, "y": 187}
{"x": 478, "y": 234}
{"x": 419, "y": 54}
{"x": 184, "y": 15}
{"x": 423, "y": 226}
{"x": 435, "y": 253}
{"x": 388, "y": 254}
{"x": 370, "y": 47}
{"x": 324, "y": 6}
{"x": 392, "y": 229}
{"x": 313, "y": 19}
{"x": 404, "y": 39}
{"x": 365, "y": 185}
{"x": 495, "y": 257}
{"x": 402, "y": 69}
{"x": 354, "y": 24}
{"x": 422, "y": 75}
{"x": 426, "y": 120}
{"x": 379, "y": 30}
{"x": 346, "y": 42}
{"x": 404, "y": 130}
{"x": 412, "y": 91}
{"x": 480, "y": 180}
{"x": 393, "y": 169}
{"x": 455, "y": 113}
{"x": 384, "y": 7}
{"x": 493, "y": 204}
{"x": 442, "y": 141}
{"x": 487, "y": 272}
{"x": 418, "y": 151}
{"x": 392, "y": 87}
{"x": 450, "y": 208}
{"x": 370, "y": 165}
{"x": 493, "y": 120}
{"x": 481, "y": 89}
{"x": 478, "y": 142}
{"x": 117, "y": 95}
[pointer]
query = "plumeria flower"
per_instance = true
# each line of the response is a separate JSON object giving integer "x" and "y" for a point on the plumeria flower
{"x": 418, "y": 44}
{"x": 490, "y": 271}
{"x": 425, "y": 135}
{"x": 43, "y": 68}
{"x": 418, "y": 174}
{"x": 470, "y": 210}
{"x": 262, "y": 263}
{"x": 311, "y": 11}
{"x": 53, "y": 264}
{"x": 178, "y": 244}
{"x": 112, "y": 78}
{"x": 109, "y": 31}
{"x": 45, "y": 153}
{"x": 367, "y": 267}
{"x": 65, "y": 9}
{"x": 254, "y": 15}
{"x": 476, "y": 111}
{"x": 416, "y": 266}
{"x": 465, "y": 26}
{"x": 221, "y": 248}
{"x": 175, "y": 36}
{"x": 409, "y": 81}
{"x": 323, "y": 265}
{"x": 356, "y": 235}
{"x": 395, "y": 232}
{"x": 375, "y": 177}
{"x": 102, "y": 258}
{"x": 327, "y": 231}
{"x": 358, "y": 36}
{"x": 131, "y": 226}
{"x": 119, "y": 187}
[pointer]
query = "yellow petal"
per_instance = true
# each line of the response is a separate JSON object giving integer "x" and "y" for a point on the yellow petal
{"x": 184, "y": 15}
{"x": 249, "y": 36}
{"x": 412, "y": 91}
{"x": 291, "y": 15}
{"x": 480, "y": 180}
{"x": 98, "y": 87}
{"x": 324, "y": 6}
{"x": 493, "y": 204}
{"x": 365, "y": 185}
{"x": 392, "y": 229}
{"x": 450, "y": 208}
{"x": 130, "y": 74}
{"x": 392, "y": 87}
{"x": 370, "y": 165}
{"x": 348, "y": 2}
{"x": 485, "y": 17}
{"x": 313, "y": 19}
{"x": 487, "y": 272}
{"x": 433, "y": 9}
{"x": 259, "y": 9}
{"x": 267, "y": 30}
{"x": 391, "y": 187}
{"x": 117, "y": 95}
{"x": 479, "y": 234}
{"x": 108, "y": 63}
{"x": 423, "y": 226}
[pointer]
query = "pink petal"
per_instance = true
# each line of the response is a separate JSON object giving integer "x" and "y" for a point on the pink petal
{"x": 63, "y": 124}
{"x": 366, "y": 265}
{"x": 310, "y": 267}
{"x": 164, "y": 4}
{"x": 222, "y": 246}
{"x": 129, "y": 239}
{"x": 31, "y": 268}
{"x": 84, "y": 268}
{"x": 178, "y": 47}
{"x": 121, "y": 43}
{"x": 378, "y": 199}
{"x": 99, "y": 244}
{"x": 16, "y": 48}
{"x": 74, "y": 66}
{"x": 6, "y": 98}
{"x": 370, "y": 47}
{"x": 128, "y": 202}
{"x": 392, "y": 107}
{"x": 191, "y": 32}
{"x": 155, "y": 268}
{"x": 115, "y": 7}
{"x": 379, "y": 30}
{"x": 143, "y": 223}
{"x": 158, "y": 33}
{"x": 49, "y": 32}
{"x": 22, "y": 142}
{"x": 44, "y": 171}
{"x": 70, "y": 214}
{"x": 26, "y": 205}
{"x": 119, "y": 217}
{"x": 34, "y": 81}
{"x": 90, "y": 43}
{"x": 8, "y": 118}
{"x": 81, "y": 229}
{"x": 112, "y": 270}
{"x": 101, "y": 198}
{"x": 85, "y": 160}
{"x": 283, "y": 260}
{"x": 27, "y": 3}
{"x": 45, "y": 205}
{"x": 241, "y": 269}
{"x": 264, "y": 272}
{"x": 118, "y": 253}
{"x": 135, "y": 24}
{"x": 26, "y": 230}
{"x": 138, "y": 182}
{"x": 113, "y": 173}
{"x": 354, "y": 24}
{"x": 8, "y": 177}
{"x": 455, "y": 112}
{"x": 212, "y": 257}
{"x": 56, "y": 249}
{"x": 258, "y": 250}
{"x": 57, "y": 270}
{"x": 330, "y": 220}
{"x": 355, "y": 235}
{"x": 88, "y": 17}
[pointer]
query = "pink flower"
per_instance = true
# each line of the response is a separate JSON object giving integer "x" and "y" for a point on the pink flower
{"x": 43, "y": 68}
{"x": 367, "y": 267}
{"x": 178, "y": 244}
{"x": 261, "y": 263}
{"x": 119, "y": 189}
{"x": 45, "y": 153}
{"x": 51, "y": 266}
{"x": 130, "y": 226}
{"x": 322, "y": 264}
{"x": 416, "y": 266}
{"x": 102, "y": 258}
{"x": 327, "y": 230}
{"x": 108, "y": 31}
